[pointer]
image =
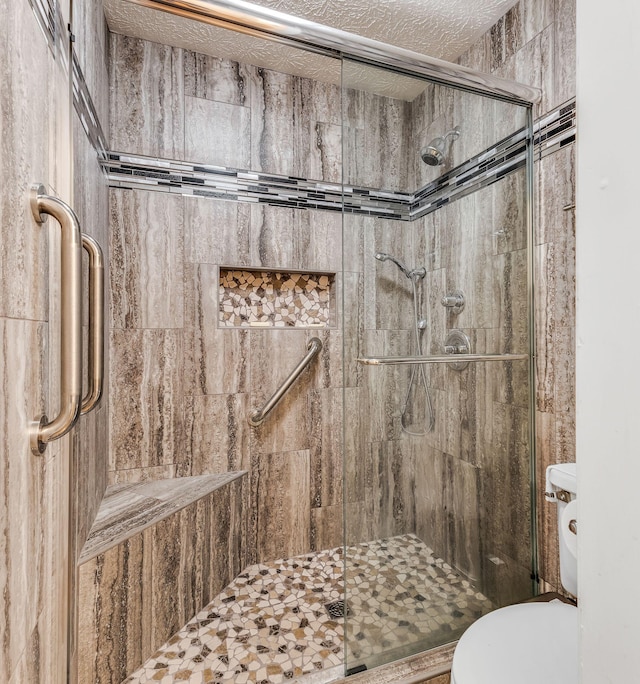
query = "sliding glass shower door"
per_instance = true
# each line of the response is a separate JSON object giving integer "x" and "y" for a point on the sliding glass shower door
{"x": 438, "y": 454}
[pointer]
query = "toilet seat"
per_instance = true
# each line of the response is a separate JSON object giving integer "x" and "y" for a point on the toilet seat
{"x": 522, "y": 644}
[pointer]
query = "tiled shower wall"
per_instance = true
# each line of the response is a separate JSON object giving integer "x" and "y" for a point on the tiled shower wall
{"x": 535, "y": 43}
{"x": 182, "y": 387}
{"x": 187, "y": 415}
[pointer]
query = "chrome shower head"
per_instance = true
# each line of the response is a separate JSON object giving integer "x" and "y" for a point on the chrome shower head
{"x": 435, "y": 152}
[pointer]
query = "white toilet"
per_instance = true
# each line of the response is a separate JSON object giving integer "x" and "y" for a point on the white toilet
{"x": 532, "y": 642}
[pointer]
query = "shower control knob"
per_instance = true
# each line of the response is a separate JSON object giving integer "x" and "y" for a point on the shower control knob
{"x": 454, "y": 301}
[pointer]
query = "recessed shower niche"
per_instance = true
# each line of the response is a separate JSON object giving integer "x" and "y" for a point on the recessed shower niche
{"x": 276, "y": 299}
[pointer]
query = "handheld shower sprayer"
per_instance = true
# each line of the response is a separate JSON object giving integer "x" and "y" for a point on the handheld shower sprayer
{"x": 418, "y": 376}
{"x": 415, "y": 273}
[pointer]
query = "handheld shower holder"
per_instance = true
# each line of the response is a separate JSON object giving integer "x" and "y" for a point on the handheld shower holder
{"x": 454, "y": 301}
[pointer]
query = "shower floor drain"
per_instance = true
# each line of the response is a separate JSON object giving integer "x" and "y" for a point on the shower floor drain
{"x": 337, "y": 609}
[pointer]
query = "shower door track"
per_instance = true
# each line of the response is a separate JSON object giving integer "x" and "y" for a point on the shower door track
{"x": 262, "y": 22}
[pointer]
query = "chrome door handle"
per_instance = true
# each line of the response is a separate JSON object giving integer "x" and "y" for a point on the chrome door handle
{"x": 43, "y": 431}
{"x": 95, "y": 356}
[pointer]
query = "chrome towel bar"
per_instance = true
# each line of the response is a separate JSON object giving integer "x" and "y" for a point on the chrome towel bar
{"x": 42, "y": 430}
{"x": 257, "y": 416}
{"x": 95, "y": 357}
{"x": 449, "y": 358}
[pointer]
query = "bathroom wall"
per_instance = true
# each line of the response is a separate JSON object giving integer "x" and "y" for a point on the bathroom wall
{"x": 535, "y": 43}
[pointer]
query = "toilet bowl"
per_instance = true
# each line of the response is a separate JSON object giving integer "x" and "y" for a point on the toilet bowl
{"x": 523, "y": 644}
{"x": 532, "y": 642}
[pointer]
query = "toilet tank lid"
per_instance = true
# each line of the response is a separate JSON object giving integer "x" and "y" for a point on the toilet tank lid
{"x": 562, "y": 476}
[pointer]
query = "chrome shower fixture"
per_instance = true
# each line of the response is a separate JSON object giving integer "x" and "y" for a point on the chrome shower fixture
{"x": 418, "y": 373}
{"x": 415, "y": 273}
{"x": 435, "y": 152}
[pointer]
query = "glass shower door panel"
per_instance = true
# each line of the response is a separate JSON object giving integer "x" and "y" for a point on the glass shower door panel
{"x": 438, "y": 512}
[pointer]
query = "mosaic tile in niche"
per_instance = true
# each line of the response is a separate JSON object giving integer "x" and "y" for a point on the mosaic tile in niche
{"x": 275, "y": 299}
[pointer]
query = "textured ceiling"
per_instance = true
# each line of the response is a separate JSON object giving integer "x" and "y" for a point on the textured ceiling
{"x": 438, "y": 28}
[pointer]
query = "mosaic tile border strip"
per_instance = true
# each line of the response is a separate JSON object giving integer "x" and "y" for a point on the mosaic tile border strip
{"x": 46, "y": 11}
{"x": 137, "y": 171}
{"x": 86, "y": 111}
{"x": 551, "y": 132}
{"x": 274, "y": 299}
{"x": 556, "y": 129}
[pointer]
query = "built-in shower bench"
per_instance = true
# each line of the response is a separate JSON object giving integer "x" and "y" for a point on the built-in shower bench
{"x": 157, "y": 553}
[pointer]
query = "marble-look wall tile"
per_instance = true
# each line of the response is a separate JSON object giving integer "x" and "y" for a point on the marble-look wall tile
{"x": 272, "y": 122}
{"x": 147, "y": 97}
{"x": 318, "y": 240}
{"x": 230, "y": 552}
{"x": 114, "y": 596}
{"x": 326, "y": 369}
{"x": 24, "y": 507}
{"x": 217, "y": 133}
{"x": 547, "y": 513}
{"x": 273, "y": 238}
{"x": 143, "y": 474}
{"x": 564, "y": 74}
{"x": 25, "y": 160}
{"x": 555, "y": 190}
{"x": 282, "y": 531}
{"x": 448, "y": 510}
{"x": 385, "y": 387}
{"x": 213, "y": 78}
{"x": 326, "y": 527}
{"x": 216, "y": 232}
{"x": 354, "y": 446}
{"x": 533, "y": 64}
{"x": 168, "y": 614}
{"x": 325, "y": 418}
{"x": 288, "y": 238}
{"x": 146, "y": 396}
{"x": 508, "y": 470}
{"x": 216, "y": 360}
{"x": 134, "y": 596}
{"x": 434, "y": 516}
{"x": 388, "y": 132}
{"x": 325, "y": 159}
{"x": 317, "y": 135}
{"x": 147, "y": 256}
{"x": 216, "y": 433}
{"x": 393, "y": 506}
{"x": 353, "y": 328}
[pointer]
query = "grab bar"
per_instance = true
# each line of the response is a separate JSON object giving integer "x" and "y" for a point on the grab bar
{"x": 449, "y": 358}
{"x": 44, "y": 431}
{"x": 95, "y": 356}
{"x": 257, "y": 416}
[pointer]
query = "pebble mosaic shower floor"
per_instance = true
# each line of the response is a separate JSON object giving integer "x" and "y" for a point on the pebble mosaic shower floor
{"x": 270, "y": 624}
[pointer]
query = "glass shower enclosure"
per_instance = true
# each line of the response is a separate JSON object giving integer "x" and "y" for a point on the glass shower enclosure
{"x": 438, "y": 457}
